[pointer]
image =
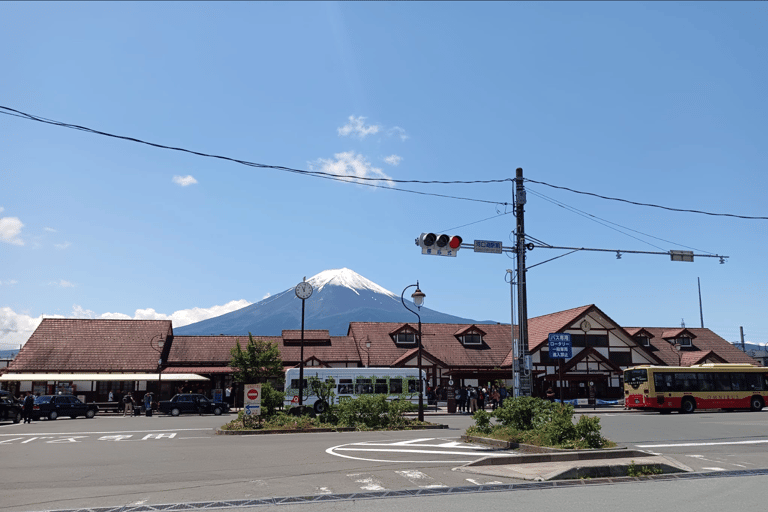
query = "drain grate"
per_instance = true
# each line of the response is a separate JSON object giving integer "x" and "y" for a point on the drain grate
{"x": 224, "y": 504}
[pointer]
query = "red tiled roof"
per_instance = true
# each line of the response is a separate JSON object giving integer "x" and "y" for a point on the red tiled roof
{"x": 319, "y": 334}
{"x": 200, "y": 370}
{"x": 439, "y": 340}
{"x": 217, "y": 349}
{"x": 91, "y": 345}
{"x": 705, "y": 341}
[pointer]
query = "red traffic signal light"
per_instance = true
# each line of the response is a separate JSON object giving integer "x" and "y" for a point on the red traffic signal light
{"x": 439, "y": 245}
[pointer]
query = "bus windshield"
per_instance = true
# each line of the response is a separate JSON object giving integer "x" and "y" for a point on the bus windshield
{"x": 636, "y": 376}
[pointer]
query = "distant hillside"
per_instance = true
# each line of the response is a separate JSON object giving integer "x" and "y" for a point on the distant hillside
{"x": 339, "y": 297}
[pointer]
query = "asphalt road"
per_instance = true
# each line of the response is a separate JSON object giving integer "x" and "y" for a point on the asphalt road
{"x": 115, "y": 461}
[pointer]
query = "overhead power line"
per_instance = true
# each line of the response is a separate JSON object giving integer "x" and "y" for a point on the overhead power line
{"x": 648, "y": 204}
{"x": 356, "y": 179}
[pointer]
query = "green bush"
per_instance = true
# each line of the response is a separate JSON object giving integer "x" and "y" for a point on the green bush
{"x": 540, "y": 422}
{"x": 372, "y": 412}
{"x": 271, "y": 400}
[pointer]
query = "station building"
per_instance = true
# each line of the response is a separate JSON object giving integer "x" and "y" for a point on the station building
{"x": 90, "y": 357}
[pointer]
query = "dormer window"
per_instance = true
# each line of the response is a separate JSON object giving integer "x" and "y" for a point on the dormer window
{"x": 683, "y": 341}
{"x": 405, "y": 337}
{"x": 643, "y": 341}
{"x": 472, "y": 339}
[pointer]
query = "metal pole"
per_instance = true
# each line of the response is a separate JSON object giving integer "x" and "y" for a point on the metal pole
{"x": 522, "y": 329}
{"x": 512, "y": 389}
{"x": 701, "y": 308}
{"x": 301, "y": 363}
{"x": 421, "y": 382}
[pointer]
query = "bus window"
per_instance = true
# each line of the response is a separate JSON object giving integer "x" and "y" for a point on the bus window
{"x": 664, "y": 382}
{"x": 381, "y": 387}
{"x": 738, "y": 382}
{"x": 363, "y": 387}
{"x": 722, "y": 381}
{"x": 346, "y": 387}
{"x": 706, "y": 381}
{"x": 295, "y": 383}
{"x": 753, "y": 382}
{"x": 686, "y": 382}
{"x": 395, "y": 386}
{"x": 413, "y": 386}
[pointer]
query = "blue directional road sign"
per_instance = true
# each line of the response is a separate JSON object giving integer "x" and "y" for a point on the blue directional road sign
{"x": 560, "y": 346}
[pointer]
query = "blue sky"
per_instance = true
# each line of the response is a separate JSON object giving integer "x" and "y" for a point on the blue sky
{"x": 656, "y": 102}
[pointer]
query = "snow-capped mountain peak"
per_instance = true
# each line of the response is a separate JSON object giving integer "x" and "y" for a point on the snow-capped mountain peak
{"x": 348, "y": 279}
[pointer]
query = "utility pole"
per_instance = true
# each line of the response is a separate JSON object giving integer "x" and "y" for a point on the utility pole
{"x": 524, "y": 373}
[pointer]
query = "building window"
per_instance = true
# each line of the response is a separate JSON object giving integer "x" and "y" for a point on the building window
{"x": 643, "y": 341}
{"x": 405, "y": 337}
{"x": 621, "y": 358}
{"x": 589, "y": 340}
{"x": 472, "y": 339}
{"x": 683, "y": 341}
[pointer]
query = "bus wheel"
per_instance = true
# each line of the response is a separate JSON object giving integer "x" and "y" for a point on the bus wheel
{"x": 756, "y": 403}
{"x": 687, "y": 406}
{"x": 320, "y": 406}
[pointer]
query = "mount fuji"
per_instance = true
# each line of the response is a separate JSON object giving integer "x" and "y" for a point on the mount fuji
{"x": 339, "y": 297}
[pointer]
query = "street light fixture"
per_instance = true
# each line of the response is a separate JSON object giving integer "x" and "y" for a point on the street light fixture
{"x": 418, "y": 301}
{"x": 158, "y": 349}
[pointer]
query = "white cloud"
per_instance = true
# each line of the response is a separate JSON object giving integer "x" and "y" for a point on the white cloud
{"x": 356, "y": 128}
{"x": 62, "y": 283}
{"x": 398, "y": 132}
{"x": 16, "y": 328}
{"x": 393, "y": 160}
{"x": 10, "y": 228}
{"x": 184, "y": 180}
{"x": 50, "y": 230}
{"x": 62, "y": 246}
{"x": 1, "y": 209}
{"x": 353, "y": 165}
{"x": 8, "y": 283}
{"x": 268, "y": 295}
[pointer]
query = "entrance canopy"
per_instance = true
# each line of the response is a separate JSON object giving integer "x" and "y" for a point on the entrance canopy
{"x": 66, "y": 377}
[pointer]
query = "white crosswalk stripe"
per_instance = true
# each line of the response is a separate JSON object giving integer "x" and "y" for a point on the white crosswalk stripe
{"x": 370, "y": 483}
{"x": 420, "y": 479}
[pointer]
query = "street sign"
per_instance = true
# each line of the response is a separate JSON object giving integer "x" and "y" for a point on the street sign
{"x": 560, "y": 346}
{"x": 252, "y": 399}
{"x": 488, "y": 246}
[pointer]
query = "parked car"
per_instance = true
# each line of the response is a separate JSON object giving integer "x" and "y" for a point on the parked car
{"x": 10, "y": 408}
{"x": 53, "y": 406}
{"x": 192, "y": 403}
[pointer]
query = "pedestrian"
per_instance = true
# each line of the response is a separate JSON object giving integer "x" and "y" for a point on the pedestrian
{"x": 228, "y": 395}
{"x": 472, "y": 400}
{"x": 550, "y": 395}
{"x": 127, "y": 404}
{"x": 495, "y": 398}
{"x": 462, "y": 398}
{"x": 29, "y": 405}
{"x": 110, "y": 397}
{"x": 502, "y": 394}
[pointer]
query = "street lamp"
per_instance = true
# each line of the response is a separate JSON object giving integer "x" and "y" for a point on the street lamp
{"x": 158, "y": 349}
{"x": 418, "y": 301}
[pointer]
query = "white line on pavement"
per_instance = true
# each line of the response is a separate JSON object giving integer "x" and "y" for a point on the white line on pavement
{"x": 110, "y": 432}
{"x": 674, "y": 445}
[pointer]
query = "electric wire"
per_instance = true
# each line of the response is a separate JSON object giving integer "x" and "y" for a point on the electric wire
{"x": 605, "y": 222}
{"x": 647, "y": 204}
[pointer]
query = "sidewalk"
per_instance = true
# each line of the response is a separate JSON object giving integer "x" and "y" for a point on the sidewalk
{"x": 442, "y": 410}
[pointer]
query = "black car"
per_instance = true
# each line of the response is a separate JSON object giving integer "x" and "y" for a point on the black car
{"x": 53, "y": 406}
{"x": 10, "y": 408}
{"x": 192, "y": 403}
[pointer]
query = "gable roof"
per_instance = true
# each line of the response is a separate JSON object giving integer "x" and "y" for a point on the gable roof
{"x": 704, "y": 341}
{"x": 438, "y": 340}
{"x": 91, "y": 345}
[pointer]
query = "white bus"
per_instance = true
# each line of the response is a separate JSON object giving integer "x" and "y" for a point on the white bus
{"x": 353, "y": 382}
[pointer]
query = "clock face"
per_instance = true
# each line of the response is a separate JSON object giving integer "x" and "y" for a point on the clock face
{"x": 303, "y": 290}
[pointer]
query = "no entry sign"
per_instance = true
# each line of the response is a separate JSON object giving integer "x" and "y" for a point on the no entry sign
{"x": 252, "y": 399}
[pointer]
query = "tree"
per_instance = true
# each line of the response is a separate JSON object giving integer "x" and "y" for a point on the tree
{"x": 259, "y": 361}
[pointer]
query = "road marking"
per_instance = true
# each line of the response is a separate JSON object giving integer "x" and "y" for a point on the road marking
{"x": 110, "y": 432}
{"x": 463, "y": 453}
{"x": 758, "y": 441}
{"x": 438, "y": 452}
{"x": 323, "y": 490}
{"x": 370, "y": 483}
{"x": 714, "y": 469}
{"x": 419, "y": 478}
{"x": 475, "y": 482}
{"x": 10, "y": 440}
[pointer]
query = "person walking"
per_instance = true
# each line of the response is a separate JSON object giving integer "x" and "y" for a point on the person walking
{"x": 29, "y": 404}
{"x": 127, "y": 404}
{"x": 472, "y": 400}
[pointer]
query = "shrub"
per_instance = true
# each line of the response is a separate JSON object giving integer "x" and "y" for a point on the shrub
{"x": 482, "y": 421}
{"x": 588, "y": 431}
{"x": 271, "y": 400}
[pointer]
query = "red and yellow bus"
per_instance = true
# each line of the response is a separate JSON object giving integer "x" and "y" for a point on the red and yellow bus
{"x": 703, "y": 386}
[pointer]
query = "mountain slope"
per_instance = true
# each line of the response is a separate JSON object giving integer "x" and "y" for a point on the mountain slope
{"x": 339, "y": 297}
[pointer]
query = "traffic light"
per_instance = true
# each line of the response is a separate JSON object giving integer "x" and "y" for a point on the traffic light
{"x": 439, "y": 245}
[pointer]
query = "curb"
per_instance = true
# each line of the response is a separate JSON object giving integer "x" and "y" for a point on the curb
{"x": 319, "y": 430}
